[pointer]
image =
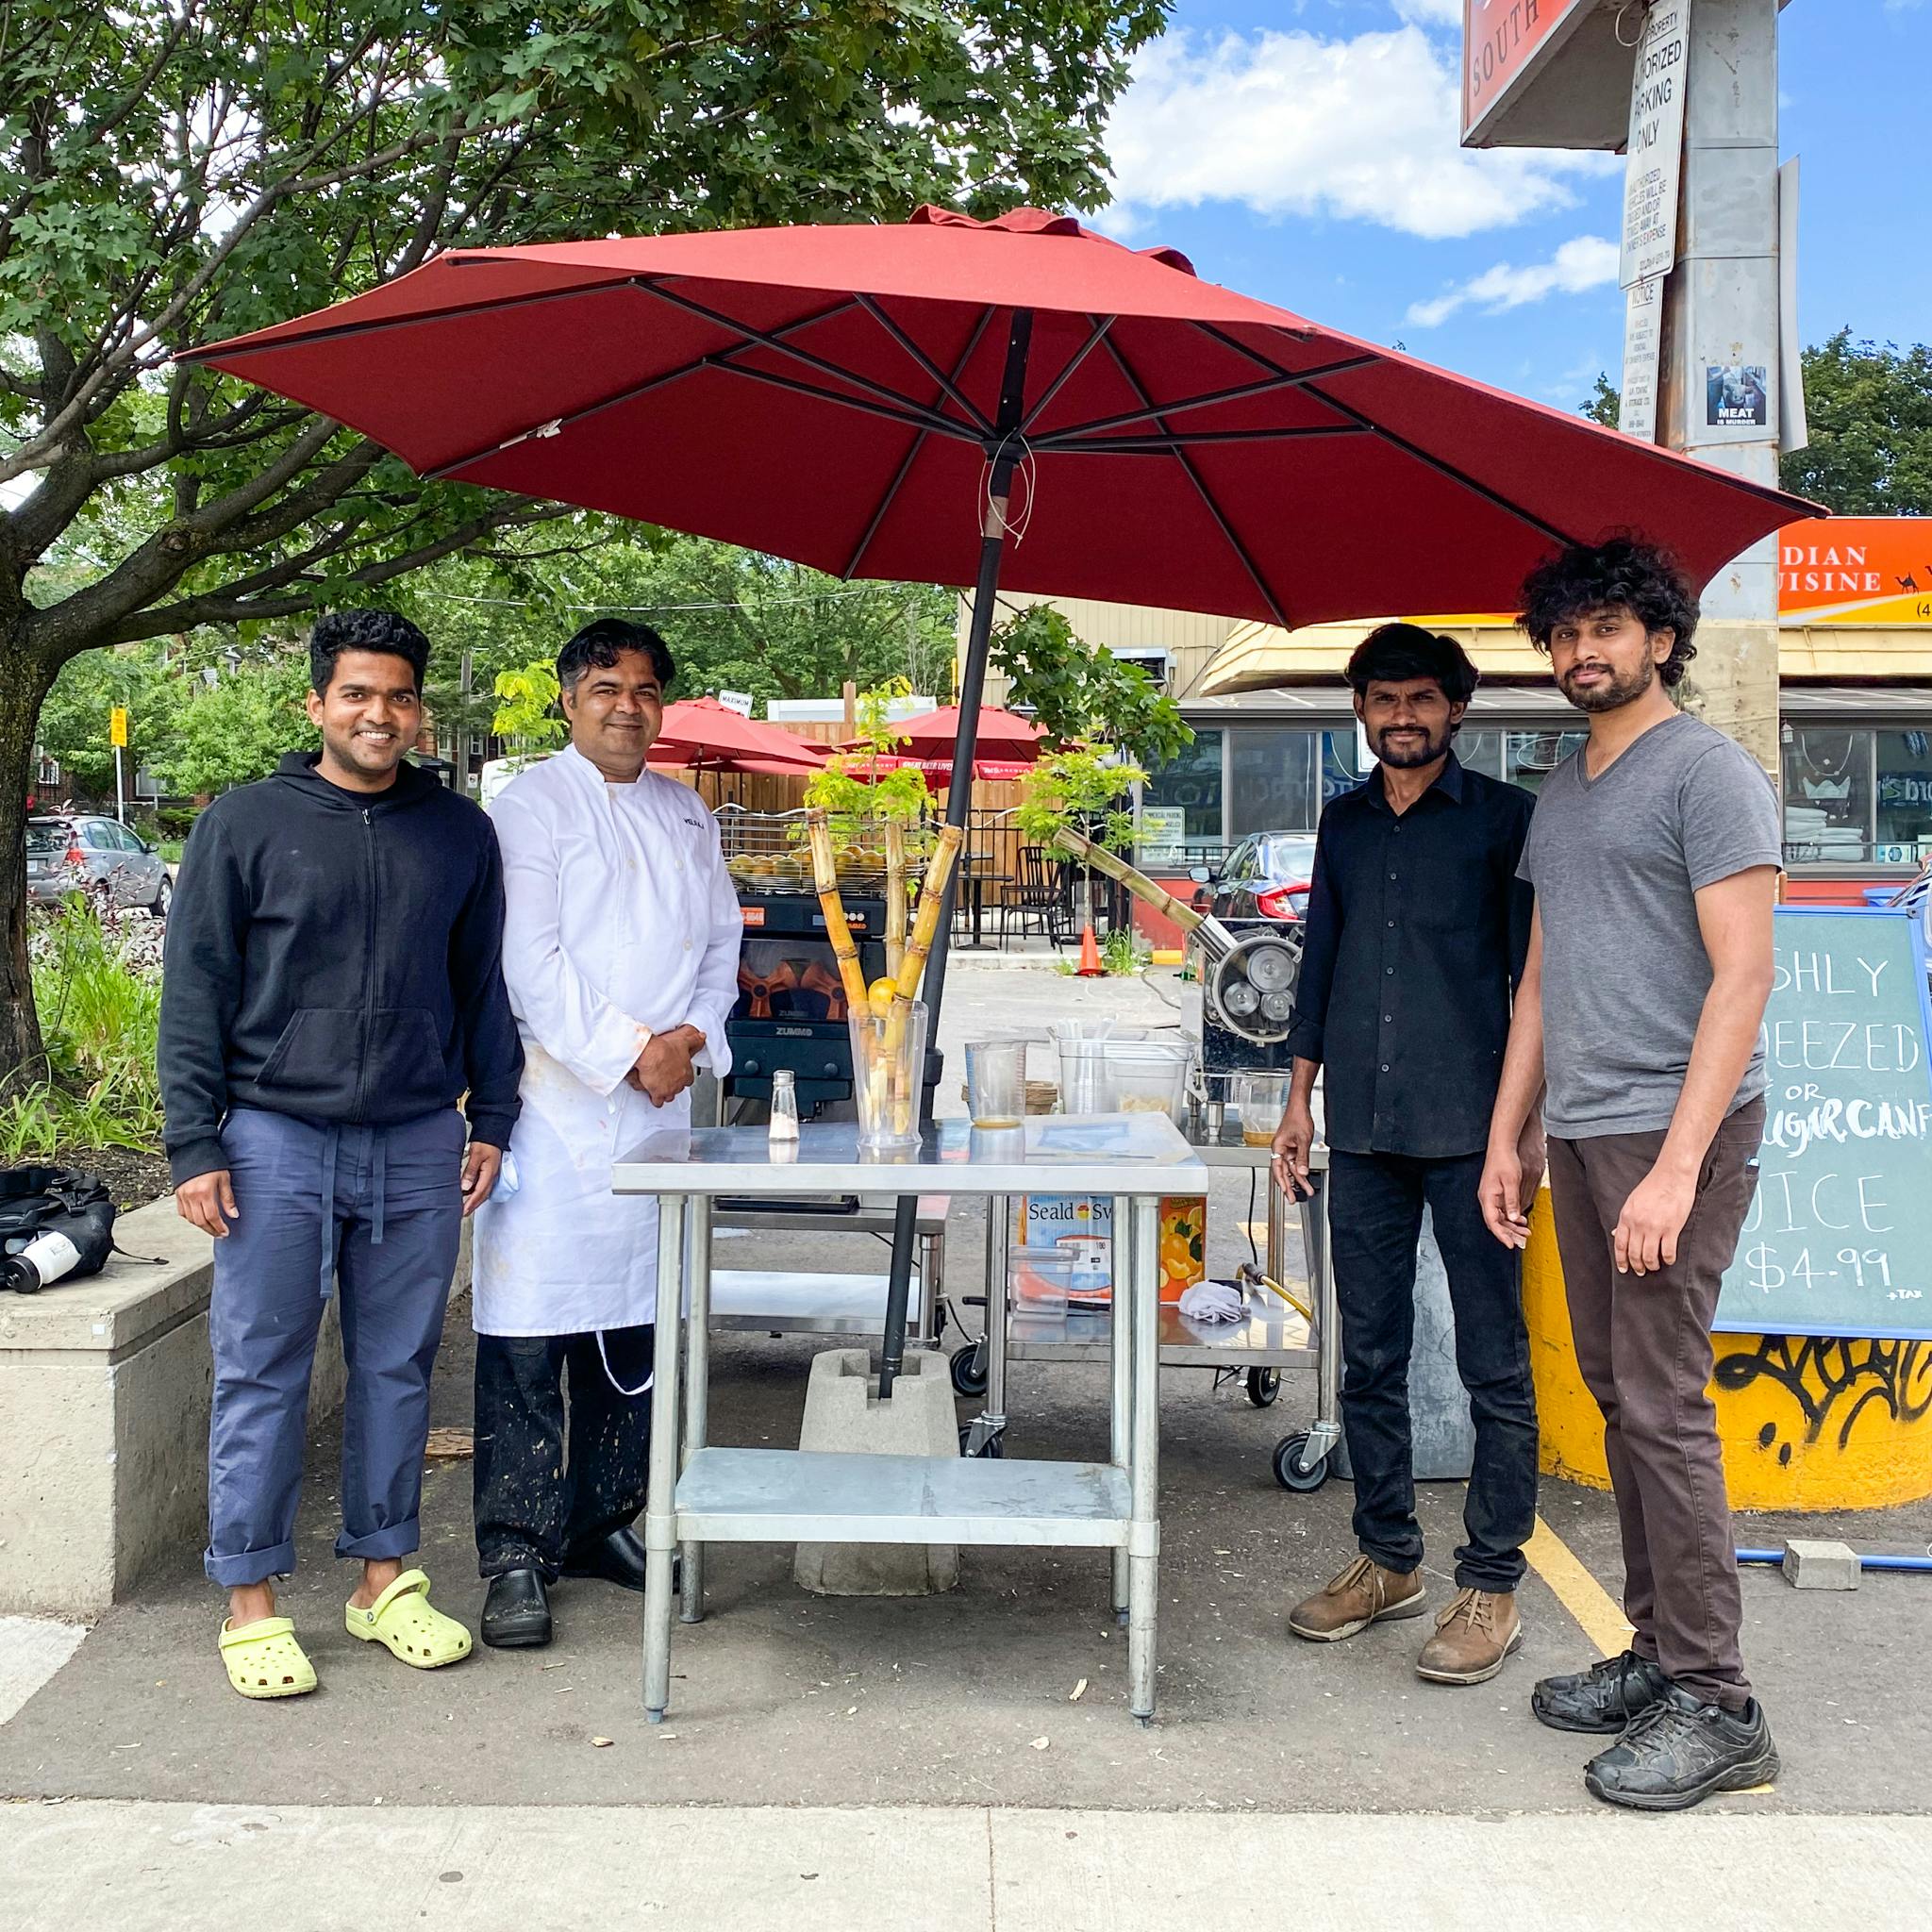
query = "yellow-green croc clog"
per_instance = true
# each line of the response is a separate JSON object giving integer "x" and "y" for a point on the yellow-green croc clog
{"x": 403, "y": 1620}
{"x": 264, "y": 1660}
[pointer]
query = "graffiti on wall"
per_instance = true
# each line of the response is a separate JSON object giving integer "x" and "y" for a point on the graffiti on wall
{"x": 1833, "y": 1381}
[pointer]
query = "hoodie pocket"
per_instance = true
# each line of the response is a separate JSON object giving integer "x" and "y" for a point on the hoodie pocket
{"x": 329, "y": 1057}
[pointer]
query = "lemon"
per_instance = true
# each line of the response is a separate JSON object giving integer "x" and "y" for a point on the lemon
{"x": 880, "y": 995}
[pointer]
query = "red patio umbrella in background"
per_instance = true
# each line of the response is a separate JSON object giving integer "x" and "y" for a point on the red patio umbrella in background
{"x": 1015, "y": 402}
{"x": 700, "y": 734}
{"x": 999, "y": 735}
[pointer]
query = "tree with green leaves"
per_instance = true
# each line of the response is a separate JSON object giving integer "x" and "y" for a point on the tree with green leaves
{"x": 187, "y": 169}
{"x": 1869, "y": 407}
{"x": 1078, "y": 692}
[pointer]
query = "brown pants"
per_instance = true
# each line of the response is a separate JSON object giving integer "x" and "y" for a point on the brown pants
{"x": 1644, "y": 1345}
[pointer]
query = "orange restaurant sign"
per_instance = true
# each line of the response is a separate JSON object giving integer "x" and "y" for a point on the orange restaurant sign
{"x": 1855, "y": 570}
{"x": 1830, "y": 570}
{"x": 1500, "y": 39}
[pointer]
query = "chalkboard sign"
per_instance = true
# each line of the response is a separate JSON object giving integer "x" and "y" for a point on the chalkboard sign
{"x": 1839, "y": 1241}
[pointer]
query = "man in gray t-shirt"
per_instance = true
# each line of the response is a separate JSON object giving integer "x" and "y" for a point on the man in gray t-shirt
{"x": 1653, "y": 852}
{"x": 1617, "y": 861}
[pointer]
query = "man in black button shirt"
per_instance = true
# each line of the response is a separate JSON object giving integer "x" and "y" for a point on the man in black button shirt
{"x": 1415, "y": 935}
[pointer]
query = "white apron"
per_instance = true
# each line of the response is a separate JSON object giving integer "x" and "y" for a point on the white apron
{"x": 620, "y": 922}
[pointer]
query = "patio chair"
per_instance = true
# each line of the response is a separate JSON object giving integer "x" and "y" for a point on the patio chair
{"x": 1042, "y": 893}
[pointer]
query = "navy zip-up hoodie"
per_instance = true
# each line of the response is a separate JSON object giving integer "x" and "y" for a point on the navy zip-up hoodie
{"x": 336, "y": 957}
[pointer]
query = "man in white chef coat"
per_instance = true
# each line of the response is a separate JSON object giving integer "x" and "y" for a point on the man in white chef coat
{"x": 620, "y": 951}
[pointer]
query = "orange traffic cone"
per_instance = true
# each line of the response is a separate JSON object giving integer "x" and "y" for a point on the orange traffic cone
{"x": 1090, "y": 966}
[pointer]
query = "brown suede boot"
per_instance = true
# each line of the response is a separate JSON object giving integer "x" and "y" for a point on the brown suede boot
{"x": 1473, "y": 1637}
{"x": 1364, "y": 1594}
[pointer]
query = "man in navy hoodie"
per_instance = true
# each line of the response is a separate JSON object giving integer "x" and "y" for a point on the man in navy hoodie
{"x": 333, "y": 985}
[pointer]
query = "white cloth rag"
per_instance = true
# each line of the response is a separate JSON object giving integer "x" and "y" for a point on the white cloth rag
{"x": 1214, "y": 1301}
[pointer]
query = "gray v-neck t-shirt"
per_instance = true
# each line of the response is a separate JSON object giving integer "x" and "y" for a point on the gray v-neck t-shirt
{"x": 1616, "y": 862}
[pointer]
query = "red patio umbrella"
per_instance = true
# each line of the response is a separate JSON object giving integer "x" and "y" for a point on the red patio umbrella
{"x": 1002, "y": 736}
{"x": 702, "y": 734}
{"x": 899, "y": 401}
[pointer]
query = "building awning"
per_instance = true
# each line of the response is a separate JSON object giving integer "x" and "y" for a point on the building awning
{"x": 1542, "y": 707}
{"x": 1259, "y": 656}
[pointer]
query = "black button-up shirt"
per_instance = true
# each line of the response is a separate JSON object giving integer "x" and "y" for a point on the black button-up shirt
{"x": 1416, "y": 931}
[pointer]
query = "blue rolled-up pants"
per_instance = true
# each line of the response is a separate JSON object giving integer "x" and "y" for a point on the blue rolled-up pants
{"x": 378, "y": 1211}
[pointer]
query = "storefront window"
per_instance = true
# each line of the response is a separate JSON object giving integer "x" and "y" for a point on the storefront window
{"x": 1191, "y": 786}
{"x": 1827, "y": 779}
{"x": 1480, "y": 751}
{"x": 1280, "y": 778}
{"x": 1905, "y": 797}
{"x": 1530, "y": 756}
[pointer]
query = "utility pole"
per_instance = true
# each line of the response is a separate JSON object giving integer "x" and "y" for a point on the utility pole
{"x": 1719, "y": 362}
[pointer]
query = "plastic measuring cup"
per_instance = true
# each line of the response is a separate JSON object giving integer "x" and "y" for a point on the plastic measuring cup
{"x": 1261, "y": 1097}
{"x": 997, "y": 1082}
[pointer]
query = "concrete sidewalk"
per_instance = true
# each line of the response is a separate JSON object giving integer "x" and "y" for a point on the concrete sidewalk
{"x": 134, "y": 1867}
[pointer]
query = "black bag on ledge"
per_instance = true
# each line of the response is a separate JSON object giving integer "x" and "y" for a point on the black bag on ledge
{"x": 57, "y": 1224}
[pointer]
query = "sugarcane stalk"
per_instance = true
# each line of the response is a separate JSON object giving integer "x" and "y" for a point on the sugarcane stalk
{"x": 825, "y": 877}
{"x": 1148, "y": 891}
{"x": 932, "y": 894}
{"x": 895, "y": 897}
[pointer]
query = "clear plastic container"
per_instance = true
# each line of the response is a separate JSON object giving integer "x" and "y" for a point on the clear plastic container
{"x": 888, "y": 1063}
{"x": 1116, "y": 1075}
{"x": 1148, "y": 1076}
{"x": 1044, "y": 1279}
{"x": 997, "y": 1082}
{"x": 1260, "y": 1097}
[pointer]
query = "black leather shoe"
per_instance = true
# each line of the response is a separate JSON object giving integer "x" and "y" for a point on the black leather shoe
{"x": 618, "y": 1558}
{"x": 516, "y": 1613}
{"x": 1679, "y": 1752}
{"x": 1603, "y": 1699}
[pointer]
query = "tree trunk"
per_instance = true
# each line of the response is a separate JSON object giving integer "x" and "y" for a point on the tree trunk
{"x": 25, "y": 677}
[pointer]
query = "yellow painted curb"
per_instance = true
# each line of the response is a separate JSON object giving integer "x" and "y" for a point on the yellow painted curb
{"x": 1808, "y": 1423}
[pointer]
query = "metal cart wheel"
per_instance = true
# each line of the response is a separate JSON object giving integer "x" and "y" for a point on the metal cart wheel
{"x": 1264, "y": 1385}
{"x": 969, "y": 1369}
{"x": 1291, "y": 1472}
{"x": 993, "y": 1449}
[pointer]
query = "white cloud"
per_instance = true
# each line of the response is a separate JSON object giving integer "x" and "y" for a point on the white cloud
{"x": 1587, "y": 261}
{"x": 1291, "y": 124}
{"x": 1431, "y": 12}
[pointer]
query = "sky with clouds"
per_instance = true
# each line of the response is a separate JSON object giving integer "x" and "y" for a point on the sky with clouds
{"x": 1305, "y": 151}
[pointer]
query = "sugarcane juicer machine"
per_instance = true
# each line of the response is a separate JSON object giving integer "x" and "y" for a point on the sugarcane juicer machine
{"x": 1245, "y": 968}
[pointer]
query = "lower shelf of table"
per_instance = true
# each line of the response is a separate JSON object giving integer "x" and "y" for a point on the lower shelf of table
{"x": 777, "y": 1301}
{"x": 1263, "y": 1339}
{"x": 795, "y": 1495}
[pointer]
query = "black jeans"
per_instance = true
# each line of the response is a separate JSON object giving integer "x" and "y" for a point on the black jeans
{"x": 552, "y": 1480}
{"x": 1375, "y": 1217}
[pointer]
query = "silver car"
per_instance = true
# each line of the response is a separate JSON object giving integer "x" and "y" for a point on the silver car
{"x": 71, "y": 852}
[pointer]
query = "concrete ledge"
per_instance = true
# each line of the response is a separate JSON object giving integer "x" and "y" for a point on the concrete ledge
{"x": 103, "y": 1409}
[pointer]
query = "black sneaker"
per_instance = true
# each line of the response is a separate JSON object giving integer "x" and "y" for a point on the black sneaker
{"x": 1602, "y": 1699}
{"x": 1679, "y": 1752}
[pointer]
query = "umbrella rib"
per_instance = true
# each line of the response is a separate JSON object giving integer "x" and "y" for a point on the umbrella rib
{"x": 904, "y": 469}
{"x": 336, "y": 331}
{"x": 1214, "y": 511}
{"x": 948, "y": 384}
{"x": 767, "y": 339}
{"x": 938, "y": 425}
{"x": 1059, "y": 381}
{"x": 1180, "y": 439}
{"x": 1401, "y": 443}
{"x": 1239, "y": 392}
{"x": 718, "y": 359}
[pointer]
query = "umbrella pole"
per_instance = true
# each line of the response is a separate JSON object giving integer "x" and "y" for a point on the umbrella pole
{"x": 1002, "y": 454}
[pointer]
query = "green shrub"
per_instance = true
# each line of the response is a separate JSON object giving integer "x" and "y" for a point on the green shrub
{"x": 97, "y": 989}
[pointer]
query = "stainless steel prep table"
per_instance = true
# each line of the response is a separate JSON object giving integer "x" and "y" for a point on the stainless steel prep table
{"x": 700, "y": 1494}
{"x": 1269, "y": 1336}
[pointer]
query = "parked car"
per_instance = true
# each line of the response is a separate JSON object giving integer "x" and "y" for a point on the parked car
{"x": 1265, "y": 876}
{"x": 78, "y": 850}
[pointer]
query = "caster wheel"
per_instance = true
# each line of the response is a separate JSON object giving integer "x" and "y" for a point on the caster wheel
{"x": 993, "y": 1449}
{"x": 1264, "y": 1385}
{"x": 1291, "y": 1471}
{"x": 969, "y": 1369}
